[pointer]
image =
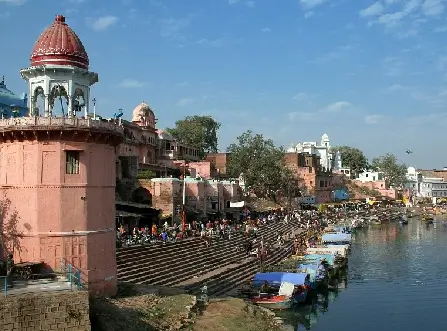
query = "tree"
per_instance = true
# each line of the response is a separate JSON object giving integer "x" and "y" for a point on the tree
{"x": 352, "y": 157}
{"x": 197, "y": 131}
{"x": 260, "y": 163}
{"x": 9, "y": 234}
{"x": 394, "y": 173}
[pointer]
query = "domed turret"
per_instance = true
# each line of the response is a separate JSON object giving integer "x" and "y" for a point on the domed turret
{"x": 143, "y": 115}
{"x": 59, "y": 45}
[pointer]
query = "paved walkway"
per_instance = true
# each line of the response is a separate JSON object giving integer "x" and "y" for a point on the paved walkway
{"x": 35, "y": 286}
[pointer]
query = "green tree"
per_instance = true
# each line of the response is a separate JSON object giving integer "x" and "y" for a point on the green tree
{"x": 197, "y": 131}
{"x": 352, "y": 157}
{"x": 261, "y": 165}
{"x": 394, "y": 172}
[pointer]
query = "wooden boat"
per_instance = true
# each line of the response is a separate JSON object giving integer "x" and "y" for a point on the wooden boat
{"x": 403, "y": 220}
{"x": 273, "y": 302}
{"x": 427, "y": 217}
{"x": 341, "y": 250}
{"x": 293, "y": 288}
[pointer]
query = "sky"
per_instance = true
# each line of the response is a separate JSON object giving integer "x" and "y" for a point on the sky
{"x": 372, "y": 75}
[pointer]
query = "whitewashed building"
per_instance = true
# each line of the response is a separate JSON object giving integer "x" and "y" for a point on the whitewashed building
{"x": 369, "y": 176}
{"x": 323, "y": 150}
{"x": 425, "y": 186}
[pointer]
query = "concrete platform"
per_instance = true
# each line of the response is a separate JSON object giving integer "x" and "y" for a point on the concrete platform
{"x": 39, "y": 285}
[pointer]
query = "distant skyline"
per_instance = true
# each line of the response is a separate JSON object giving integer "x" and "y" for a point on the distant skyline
{"x": 372, "y": 75}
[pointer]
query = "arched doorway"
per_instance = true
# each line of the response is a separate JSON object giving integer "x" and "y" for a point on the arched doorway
{"x": 141, "y": 195}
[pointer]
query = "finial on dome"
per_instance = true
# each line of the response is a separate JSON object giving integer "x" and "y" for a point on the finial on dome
{"x": 60, "y": 18}
{"x": 3, "y": 80}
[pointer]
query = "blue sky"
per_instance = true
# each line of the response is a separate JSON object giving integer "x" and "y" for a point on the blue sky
{"x": 369, "y": 74}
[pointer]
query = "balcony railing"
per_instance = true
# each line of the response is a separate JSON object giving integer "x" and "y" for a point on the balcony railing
{"x": 25, "y": 123}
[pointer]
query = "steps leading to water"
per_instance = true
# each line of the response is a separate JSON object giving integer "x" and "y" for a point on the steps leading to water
{"x": 190, "y": 264}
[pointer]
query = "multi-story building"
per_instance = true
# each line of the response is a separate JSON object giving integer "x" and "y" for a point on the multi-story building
{"x": 147, "y": 148}
{"x": 202, "y": 197}
{"x": 426, "y": 183}
{"x": 313, "y": 179}
{"x": 322, "y": 150}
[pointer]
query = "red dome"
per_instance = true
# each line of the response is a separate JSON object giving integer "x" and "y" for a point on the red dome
{"x": 59, "y": 45}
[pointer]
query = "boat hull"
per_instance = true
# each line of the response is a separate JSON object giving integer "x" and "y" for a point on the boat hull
{"x": 273, "y": 303}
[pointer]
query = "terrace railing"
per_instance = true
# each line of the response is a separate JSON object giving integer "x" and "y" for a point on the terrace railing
{"x": 73, "y": 274}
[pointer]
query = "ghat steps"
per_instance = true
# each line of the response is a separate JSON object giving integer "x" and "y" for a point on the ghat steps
{"x": 190, "y": 264}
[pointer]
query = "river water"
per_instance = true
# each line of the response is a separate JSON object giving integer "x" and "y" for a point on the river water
{"x": 396, "y": 280}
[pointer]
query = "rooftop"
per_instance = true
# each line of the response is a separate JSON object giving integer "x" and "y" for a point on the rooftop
{"x": 10, "y": 99}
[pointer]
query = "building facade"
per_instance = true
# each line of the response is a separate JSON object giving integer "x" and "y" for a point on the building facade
{"x": 203, "y": 197}
{"x": 322, "y": 150}
{"x": 426, "y": 183}
{"x": 56, "y": 175}
{"x": 315, "y": 181}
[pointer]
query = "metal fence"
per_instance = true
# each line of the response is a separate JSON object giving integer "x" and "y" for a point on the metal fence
{"x": 72, "y": 274}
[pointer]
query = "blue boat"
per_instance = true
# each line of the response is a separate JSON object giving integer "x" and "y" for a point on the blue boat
{"x": 300, "y": 282}
{"x": 318, "y": 275}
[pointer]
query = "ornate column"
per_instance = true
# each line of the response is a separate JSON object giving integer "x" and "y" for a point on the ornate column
{"x": 48, "y": 107}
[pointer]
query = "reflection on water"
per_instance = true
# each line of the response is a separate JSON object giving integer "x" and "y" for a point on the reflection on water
{"x": 397, "y": 281}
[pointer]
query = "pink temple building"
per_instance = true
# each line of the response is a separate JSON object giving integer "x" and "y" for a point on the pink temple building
{"x": 56, "y": 168}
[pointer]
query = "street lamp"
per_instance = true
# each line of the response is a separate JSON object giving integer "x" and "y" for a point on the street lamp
{"x": 94, "y": 108}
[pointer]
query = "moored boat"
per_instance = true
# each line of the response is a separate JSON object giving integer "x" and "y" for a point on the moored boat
{"x": 293, "y": 287}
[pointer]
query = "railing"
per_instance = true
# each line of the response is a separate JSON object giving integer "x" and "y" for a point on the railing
{"x": 72, "y": 273}
{"x": 24, "y": 122}
{"x": 4, "y": 279}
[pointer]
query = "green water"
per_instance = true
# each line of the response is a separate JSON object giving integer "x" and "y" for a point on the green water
{"x": 396, "y": 280}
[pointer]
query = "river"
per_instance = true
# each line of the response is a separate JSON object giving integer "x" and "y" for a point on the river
{"x": 396, "y": 280}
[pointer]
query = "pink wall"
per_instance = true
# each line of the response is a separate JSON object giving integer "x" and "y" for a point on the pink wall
{"x": 63, "y": 216}
{"x": 167, "y": 193}
{"x": 379, "y": 185}
{"x": 203, "y": 169}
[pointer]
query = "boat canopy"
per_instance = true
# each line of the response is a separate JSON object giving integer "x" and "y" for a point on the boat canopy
{"x": 318, "y": 257}
{"x": 336, "y": 237}
{"x": 280, "y": 277}
{"x": 308, "y": 268}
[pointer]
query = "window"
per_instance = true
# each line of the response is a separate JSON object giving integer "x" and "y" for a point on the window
{"x": 72, "y": 162}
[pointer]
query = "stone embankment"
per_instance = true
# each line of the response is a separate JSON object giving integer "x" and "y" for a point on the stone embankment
{"x": 62, "y": 311}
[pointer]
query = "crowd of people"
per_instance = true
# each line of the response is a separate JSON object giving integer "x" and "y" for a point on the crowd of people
{"x": 224, "y": 229}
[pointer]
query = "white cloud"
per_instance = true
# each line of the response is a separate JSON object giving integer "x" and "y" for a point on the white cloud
{"x": 396, "y": 87}
{"x": 335, "y": 54}
{"x": 219, "y": 42}
{"x": 373, "y": 10}
{"x": 131, "y": 83}
{"x": 392, "y": 66}
{"x": 337, "y": 106}
{"x": 5, "y": 15}
{"x": 309, "y": 14}
{"x": 300, "y": 96}
{"x": 265, "y": 30}
{"x": 373, "y": 119}
{"x": 173, "y": 28}
{"x": 433, "y": 7}
{"x": 14, "y": 2}
{"x": 312, "y": 3}
{"x": 440, "y": 29}
{"x": 104, "y": 22}
{"x": 185, "y": 102}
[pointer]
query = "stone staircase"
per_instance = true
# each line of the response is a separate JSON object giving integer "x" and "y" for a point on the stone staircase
{"x": 190, "y": 264}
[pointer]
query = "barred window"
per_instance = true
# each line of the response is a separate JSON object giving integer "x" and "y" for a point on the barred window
{"x": 72, "y": 162}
